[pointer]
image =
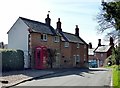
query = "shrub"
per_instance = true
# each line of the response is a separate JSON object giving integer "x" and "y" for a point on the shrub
{"x": 12, "y": 59}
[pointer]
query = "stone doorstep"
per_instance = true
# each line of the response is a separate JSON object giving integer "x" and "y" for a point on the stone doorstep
{"x": 24, "y": 79}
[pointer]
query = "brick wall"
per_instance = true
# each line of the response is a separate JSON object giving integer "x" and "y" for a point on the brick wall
{"x": 68, "y": 59}
{"x": 101, "y": 57}
{"x": 66, "y": 54}
{"x": 35, "y": 40}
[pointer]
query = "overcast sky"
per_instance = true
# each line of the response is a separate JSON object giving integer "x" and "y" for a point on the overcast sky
{"x": 71, "y": 13}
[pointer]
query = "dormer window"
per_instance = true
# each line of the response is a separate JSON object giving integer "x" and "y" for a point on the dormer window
{"x": 66, "y": 44}
{"x": 44, "y": 37}
{"x": 56, "y": 39}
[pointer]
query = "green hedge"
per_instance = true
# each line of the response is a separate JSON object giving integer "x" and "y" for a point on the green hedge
{"x": 12, "y": 60}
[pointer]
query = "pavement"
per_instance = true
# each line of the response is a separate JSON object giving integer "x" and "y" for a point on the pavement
{"x": 12, "y": 78}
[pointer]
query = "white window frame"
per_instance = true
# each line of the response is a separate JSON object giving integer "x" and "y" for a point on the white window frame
{"x": 56, "y": 39}
{"x": 66, "y": 44}
{"x": 77, "y": 58}
{"x": 78, "y": 45}
{"x": 44, "y": 37}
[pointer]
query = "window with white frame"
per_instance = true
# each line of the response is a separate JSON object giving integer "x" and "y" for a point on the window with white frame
{"x": 56, "y": 39}
{"x": 78, "y": 45}
{"x": 44, "y": 37}
{"x": 74, "y": 56}
{"x": 66, "y": 44}
{"x": 77, "y": 59}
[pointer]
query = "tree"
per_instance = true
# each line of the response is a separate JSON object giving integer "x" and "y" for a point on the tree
{"x": 51, "y": 57}
{"x": 116, "y": 55}
{"x": 109, "y": 18}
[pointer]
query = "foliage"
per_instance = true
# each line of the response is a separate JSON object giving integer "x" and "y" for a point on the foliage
{"x": 116, "y": 55}
{"x": 116, "y": 76}
{"x": 12, "y": 59}
{"x": 51, "y": 57}
{"x": 109, "y": 18}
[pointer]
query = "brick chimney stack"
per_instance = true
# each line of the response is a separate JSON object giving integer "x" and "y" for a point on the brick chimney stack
{"x": 77, "y": 31}
{"x": 99, "y": 42}
{"x": 48, "y": 20}
{"x": 90, "y": 45}
{"x": 59, "y": 25}
{"x": 111, "y": 41}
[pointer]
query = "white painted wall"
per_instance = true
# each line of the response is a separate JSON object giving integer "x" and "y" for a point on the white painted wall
{"x": 18, "y": 39}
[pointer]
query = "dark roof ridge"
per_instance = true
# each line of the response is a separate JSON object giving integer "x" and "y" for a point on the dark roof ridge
{"x": 26, "y": 19}
{"x": 75, "y": 36}
{"x": 23, "y": 18}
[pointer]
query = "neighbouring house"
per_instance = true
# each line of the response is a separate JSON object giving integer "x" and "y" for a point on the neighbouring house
{"x": 103, "y": 51}
{"x": 91, "y": 57}
{"x": 45, "y": 47}
{"x": 98, "y": 55}
{"x": 74, "y": 49}
{"x": 3, "y": 46}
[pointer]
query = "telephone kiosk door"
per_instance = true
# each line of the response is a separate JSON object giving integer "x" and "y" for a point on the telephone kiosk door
{"x": 40, "y": 57}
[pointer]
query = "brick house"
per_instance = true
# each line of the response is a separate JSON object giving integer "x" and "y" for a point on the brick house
{"x": 34, "y": 38}
{"x": 92, "y": 59}
{"x": 103, "y": 51}
{"x": 74, "y": 50}
{"x": 1, "y": 45}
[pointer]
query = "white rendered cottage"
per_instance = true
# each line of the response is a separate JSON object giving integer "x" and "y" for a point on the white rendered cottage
{"x": 18, "y": 39}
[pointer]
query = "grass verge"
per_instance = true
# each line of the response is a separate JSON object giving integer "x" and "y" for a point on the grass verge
{"x": 116, "y": 76}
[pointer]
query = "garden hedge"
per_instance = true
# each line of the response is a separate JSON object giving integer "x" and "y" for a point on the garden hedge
{"x": 12, "y": 60}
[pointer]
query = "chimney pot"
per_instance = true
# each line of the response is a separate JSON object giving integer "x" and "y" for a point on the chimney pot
{"x": 99, "y": 42}
{"x": 48, "y": 20}
{"x": 111, "y": 41}
{"x": 77, "y": 31}
{"x": 90, "y": 45}
{"x": 59, "y": 25}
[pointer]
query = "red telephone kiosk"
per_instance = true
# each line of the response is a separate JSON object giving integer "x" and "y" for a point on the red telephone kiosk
{"x": 40, "y": 57}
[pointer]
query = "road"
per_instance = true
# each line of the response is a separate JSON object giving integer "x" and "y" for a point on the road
{"x": 74, "y": 77}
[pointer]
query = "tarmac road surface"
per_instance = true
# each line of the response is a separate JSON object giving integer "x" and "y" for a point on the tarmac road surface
{"x": 74, "y": 77}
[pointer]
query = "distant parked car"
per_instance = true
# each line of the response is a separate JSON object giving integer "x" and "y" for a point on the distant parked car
{"x": 93, "y": 64}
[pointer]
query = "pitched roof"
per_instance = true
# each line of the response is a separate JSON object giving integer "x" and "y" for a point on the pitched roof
{"x": 103, "y": 48}
{"x": 71, "y": 38}
{"x": 39, "y": 26}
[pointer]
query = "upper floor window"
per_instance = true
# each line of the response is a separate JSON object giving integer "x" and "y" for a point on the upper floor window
{"x": 56, "y": 39}
{"x": 84, "y": 46}
{"x": 78, "y": 45}
{"x": 44, "y": 37}
{"x": 66, "y": 44}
